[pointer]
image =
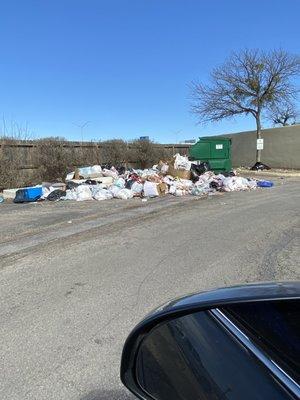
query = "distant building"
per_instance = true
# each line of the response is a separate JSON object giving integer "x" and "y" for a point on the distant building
{"x": 189, "y": 141}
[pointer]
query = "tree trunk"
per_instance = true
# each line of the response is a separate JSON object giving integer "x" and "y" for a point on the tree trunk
{"x": 258, "y": 136}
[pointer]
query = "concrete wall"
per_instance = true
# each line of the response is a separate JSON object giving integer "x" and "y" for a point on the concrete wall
{"x": 281, "y": 147}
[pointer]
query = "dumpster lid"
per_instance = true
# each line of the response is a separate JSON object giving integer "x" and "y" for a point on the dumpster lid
{"x": 216, "y": 138}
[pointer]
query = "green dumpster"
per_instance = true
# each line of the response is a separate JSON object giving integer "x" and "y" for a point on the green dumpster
{"x": 214, "y": 150}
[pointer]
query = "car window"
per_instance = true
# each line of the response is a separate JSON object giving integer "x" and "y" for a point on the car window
{"x": 274, "y": 327}
{"x": 194, "y": 358}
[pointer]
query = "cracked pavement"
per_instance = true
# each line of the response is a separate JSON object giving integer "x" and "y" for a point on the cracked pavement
{"x": 77, "y": 277}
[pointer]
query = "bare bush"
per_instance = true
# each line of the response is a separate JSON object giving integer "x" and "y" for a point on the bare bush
{"x": 115, "y": 152}
{"x": 9, "y": 167}
{"x": 146, "y": 153}
{"x": 12, "y": 130}
{"x": 54, "y": 159}
{"x": 89, "y": 155}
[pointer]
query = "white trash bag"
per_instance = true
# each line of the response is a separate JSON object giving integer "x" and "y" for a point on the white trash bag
{"x": 150, "y": 189}
{"x": 124, "y": 194}
{"x": 137, "y": 187}
{"x": 99, "y": 193}
{"x": 83, "y": 193}
{"x": 71, "y": 194}
{"x": 110, "y": 172}
{"x": 182, "y": 162}
{"x": 114, "y": 190}
{"x": 120, "y": 182}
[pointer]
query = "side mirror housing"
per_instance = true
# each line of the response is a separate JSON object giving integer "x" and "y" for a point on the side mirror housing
{"x": 231, "y": 343}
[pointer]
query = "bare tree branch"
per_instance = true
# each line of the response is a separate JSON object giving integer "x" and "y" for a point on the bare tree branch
{"x": 285, "y": 114}
{"x": 249, "y": 82}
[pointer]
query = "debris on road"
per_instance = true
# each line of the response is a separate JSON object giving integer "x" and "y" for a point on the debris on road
{"x": 265, "y": 184}
{"x": 259, "y": 166}
{"x": 177, "y": 177}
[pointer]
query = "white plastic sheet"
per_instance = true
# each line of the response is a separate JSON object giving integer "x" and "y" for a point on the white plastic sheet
{"x": 236, "y": 183}
{"x": 90, "y": 172}
{"x": 70, "y": 176}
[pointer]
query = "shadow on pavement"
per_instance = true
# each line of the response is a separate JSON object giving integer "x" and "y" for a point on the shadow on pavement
{"x": 114, "y": 394}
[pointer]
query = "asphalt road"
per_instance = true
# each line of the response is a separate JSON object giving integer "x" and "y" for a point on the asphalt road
{"x": 76, "y": 277}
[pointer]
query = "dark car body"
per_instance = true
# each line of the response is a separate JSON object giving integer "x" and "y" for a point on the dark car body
{"x": 214, "y": 345}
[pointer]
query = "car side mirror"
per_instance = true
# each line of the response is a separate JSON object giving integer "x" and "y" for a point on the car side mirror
{"x": 233, "y": 343}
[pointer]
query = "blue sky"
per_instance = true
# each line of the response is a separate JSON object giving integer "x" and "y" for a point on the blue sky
{"x": 125, "y": 65}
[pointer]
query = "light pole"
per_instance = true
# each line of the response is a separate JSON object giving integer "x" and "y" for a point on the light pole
{"x": 82, "y": 126}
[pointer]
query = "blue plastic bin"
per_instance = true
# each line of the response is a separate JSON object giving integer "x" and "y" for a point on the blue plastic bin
{"x": 28, "y": 194}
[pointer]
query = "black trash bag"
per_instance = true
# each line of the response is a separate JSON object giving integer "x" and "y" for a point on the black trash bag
{"x": 121, "y": 170}
{"x": 201, "y": 168}
{"x": 194, "y": 176}
{"x": 230, "y": 173}
{"x": 106, "y": 166}
{"x": 129, "y": 183}
{"x": 56, "y": 195}
{"x": 258, "y": 166}
{"x": 72, "y": 185}
{"x": 91, "y": 182}
{"x": 214, "y": 185}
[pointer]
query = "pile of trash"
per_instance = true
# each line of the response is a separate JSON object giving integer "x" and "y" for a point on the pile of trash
{"x": 177, "y": 177}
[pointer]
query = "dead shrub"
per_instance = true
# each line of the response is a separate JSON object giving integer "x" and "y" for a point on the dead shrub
{"x": 145, "y": 153}
{"x": 114, "y": 152}
{"x": 54, "y": 158}
{"x": 87, "y": 155}
{"x": 10, "y": 176}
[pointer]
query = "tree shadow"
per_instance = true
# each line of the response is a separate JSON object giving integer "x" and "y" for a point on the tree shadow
{"x": 113, "y": 394}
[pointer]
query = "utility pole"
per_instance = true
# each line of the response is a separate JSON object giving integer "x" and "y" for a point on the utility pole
{"x": 82, "y": 126}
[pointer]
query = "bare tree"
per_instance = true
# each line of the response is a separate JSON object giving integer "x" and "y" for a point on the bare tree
{"x": 250, "y": 82}
{"x": 12, "y": 130}
{"x": 285, "y": 114}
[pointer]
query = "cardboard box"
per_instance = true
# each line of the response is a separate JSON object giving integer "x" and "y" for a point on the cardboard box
{"x": 9, "y": 193}
{"x": 162, "y": 189}
{"x": 179, "y": 173}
